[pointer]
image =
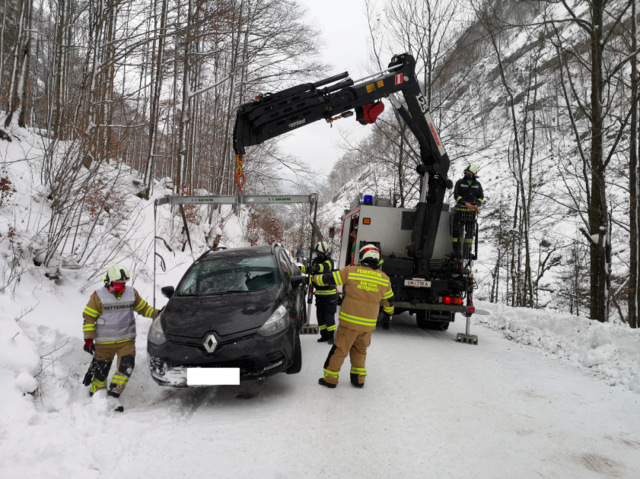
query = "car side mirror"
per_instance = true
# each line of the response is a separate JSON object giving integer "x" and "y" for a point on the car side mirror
{"x": 168, "y": 291}
{"x": 297, "y": 279}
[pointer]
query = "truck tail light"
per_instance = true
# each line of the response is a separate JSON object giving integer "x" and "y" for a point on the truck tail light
{"x": 449, "y": 300}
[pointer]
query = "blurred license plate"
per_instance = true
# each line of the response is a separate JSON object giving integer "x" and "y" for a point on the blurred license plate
{"x": 417, "y": 283}
{"x": 213, "y": 376}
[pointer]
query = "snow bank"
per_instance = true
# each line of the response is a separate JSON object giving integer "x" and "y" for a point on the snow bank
{"x": 610, "y": 350}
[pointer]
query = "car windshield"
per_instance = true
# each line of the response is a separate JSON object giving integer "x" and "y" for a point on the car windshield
{"x": 230, "y": 275}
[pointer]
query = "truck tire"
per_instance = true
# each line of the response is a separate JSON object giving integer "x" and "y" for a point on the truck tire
{"x": 424, "y": 323}
{"x": 296, "y": 365}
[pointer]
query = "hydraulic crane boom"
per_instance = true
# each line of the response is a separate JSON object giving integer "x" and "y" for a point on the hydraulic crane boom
{"x": 336, "y": 97}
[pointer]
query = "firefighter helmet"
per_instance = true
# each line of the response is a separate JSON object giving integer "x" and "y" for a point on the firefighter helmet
{"x": 117, "y": 273}
{"x": 370, "y": 252}
{"x": 322, "y": 248}
{"x": 473, "y": 169}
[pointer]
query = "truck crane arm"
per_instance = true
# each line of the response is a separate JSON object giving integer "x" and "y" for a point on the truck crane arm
{"x": 271, "y": 115}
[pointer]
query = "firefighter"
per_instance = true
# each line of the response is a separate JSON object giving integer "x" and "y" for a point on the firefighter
{"x": 326, "y": 296}
{"x": 366, "y": 286}
{"x": 110, "y": 330}
{"x": 469, "y": 196}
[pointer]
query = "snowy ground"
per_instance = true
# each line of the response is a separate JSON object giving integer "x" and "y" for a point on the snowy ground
{"x": 431, "y": 408}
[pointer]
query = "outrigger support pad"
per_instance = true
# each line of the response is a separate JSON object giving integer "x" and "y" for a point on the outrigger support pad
{"x": 309, "y": 329}
{"x": 466, "y": 337}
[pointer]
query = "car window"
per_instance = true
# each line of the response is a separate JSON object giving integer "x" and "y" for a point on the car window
{"x": 229, "y": 275}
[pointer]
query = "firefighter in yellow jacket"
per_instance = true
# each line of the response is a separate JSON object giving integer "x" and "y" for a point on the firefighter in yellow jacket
{"x": 110, "y": 330}
{"x": 366, "y": 286}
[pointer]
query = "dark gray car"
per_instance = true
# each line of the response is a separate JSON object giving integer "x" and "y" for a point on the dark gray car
{"x": 236, "y": 308}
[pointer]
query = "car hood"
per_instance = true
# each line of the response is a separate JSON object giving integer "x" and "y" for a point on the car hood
{"x": 227, "y": 314}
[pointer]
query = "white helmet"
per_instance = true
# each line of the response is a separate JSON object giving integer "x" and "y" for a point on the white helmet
{"x": 472, "y": 168}
{"x": 370, "y": 251}
{"x": 322, "y": 248}
{"x": 117, "y": 273}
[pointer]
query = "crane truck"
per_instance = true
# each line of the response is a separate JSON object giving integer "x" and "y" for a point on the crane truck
{"x": 413, "y": 242}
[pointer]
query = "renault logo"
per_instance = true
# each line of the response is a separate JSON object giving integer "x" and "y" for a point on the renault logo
{"x": 210, "y": 343}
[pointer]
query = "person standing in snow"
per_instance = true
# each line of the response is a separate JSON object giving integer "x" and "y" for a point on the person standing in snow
{"x": 469, "y": 195}
{"x": 110, "y": 330}
{"x": 366, "y": 286}
{"x": 326, "y": 296}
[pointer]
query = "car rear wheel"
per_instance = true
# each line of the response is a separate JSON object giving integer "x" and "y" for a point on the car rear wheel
{"x": 296, "y": 365}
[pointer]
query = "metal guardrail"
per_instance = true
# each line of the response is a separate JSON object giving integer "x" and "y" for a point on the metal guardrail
{"x": 236, "y": 199}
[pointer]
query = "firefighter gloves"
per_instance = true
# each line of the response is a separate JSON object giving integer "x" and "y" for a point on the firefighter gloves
{"x": 89, "y": 346}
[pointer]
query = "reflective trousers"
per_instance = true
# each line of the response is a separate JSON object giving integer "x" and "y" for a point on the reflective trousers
{"x": 463, "y": 232}
{"x": 326, "y": 314}
{"x": 354, "y": 344}
{"x": 126, "y": 352}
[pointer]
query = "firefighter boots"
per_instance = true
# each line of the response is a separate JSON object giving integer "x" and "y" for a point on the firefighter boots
{"x": 324, "y": 383}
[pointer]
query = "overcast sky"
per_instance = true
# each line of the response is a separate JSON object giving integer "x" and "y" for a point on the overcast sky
{"x": 344, "y": 33}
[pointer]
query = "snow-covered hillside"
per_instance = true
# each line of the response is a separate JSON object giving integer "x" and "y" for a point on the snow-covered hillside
{"x": 542, "y": 395}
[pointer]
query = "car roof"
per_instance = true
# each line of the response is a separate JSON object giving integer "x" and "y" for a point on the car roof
{"x": 246, "y": 251}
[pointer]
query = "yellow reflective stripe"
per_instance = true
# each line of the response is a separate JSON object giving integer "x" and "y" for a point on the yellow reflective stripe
{"x": 337, "y": 278}
{"x": 89, "y": 327}
{"x": 359, "y": 371}
{"x": 454, "y": 240}
{"x": 90, "y": 312}
{"x": 388, "y": 310}
{"x": 318, "y": 280}
{"x": 388, "y": 295}
{"x": 356, "y": 320}
{"x": 458, "y": 198}
{"x": 98, "y": 382}
{"x": 149, "y": 312}
{"x": 370, "y": 279}
{"x": 468, "y": 240}
{"x": 120, "y": 379}
{"x": 142, "y": 304}
{"x": 117, "y": 342}
{"x": 325, "y": 292}
{"x": 331, "y": 373}
{"x": 323, "y": 326}
{"x": 331, "y": 328}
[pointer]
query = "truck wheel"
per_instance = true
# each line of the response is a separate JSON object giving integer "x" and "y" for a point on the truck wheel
{"x": 424, "y": 323}
{"x": 296, "y": 365}
{"x": 442, "y": 325}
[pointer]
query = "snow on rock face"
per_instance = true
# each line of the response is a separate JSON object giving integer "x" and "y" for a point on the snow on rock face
{"x": 610, "y": 350}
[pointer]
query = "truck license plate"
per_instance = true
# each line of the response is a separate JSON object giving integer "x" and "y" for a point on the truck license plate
{"x": 417, "y": 283}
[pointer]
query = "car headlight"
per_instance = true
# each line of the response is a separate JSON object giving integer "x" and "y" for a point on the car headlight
{"x": 279, "y": 321}
{"x": 156, "y": 334}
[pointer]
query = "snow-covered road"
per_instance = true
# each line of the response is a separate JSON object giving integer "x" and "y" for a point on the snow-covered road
{"x": 431, "y": 408}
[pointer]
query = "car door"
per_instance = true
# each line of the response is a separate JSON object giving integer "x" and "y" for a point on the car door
{"x": 293, "y": 293}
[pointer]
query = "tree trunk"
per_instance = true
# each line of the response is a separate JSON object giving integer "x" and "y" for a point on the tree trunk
{"x": 597, "y": 209}
{"x": 634, "y": 245}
